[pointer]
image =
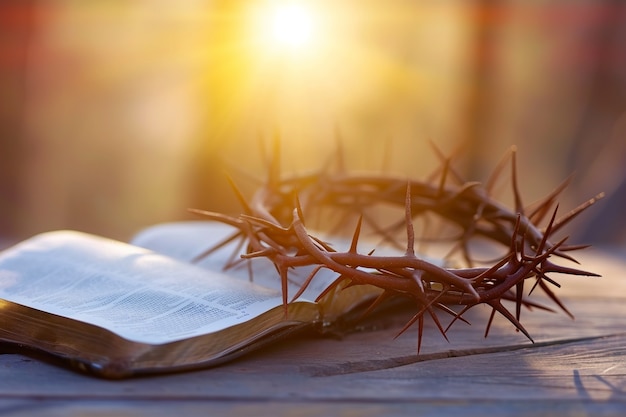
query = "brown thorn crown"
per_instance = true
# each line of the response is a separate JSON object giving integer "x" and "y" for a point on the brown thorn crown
{"x": 273, "y": 226}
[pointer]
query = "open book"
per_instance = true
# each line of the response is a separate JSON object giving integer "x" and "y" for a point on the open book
{"x": 116, "y": 309}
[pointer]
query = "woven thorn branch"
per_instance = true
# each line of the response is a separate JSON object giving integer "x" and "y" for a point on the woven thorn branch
{"x": 272, "y": 226}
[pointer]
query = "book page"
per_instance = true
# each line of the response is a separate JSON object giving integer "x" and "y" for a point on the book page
{"x": 133, "y": 292}
{"x": 187, "y": 240}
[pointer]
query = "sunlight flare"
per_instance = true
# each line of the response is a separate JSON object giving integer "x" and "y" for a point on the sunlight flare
{"x": 292, "y": 25}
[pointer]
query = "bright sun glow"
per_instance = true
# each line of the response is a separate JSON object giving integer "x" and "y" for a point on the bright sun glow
{"x": 292, "y": 25}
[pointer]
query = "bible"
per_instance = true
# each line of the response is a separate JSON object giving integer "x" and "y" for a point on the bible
{"x": 118, "y": 309}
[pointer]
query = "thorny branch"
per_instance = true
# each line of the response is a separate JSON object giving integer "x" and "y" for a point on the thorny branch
{"x": 273, "y": 226}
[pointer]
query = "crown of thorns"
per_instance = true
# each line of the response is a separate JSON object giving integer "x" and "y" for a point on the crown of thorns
{"x": 272, "y": 226}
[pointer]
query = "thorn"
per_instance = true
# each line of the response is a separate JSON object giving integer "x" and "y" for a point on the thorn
{"x": 519, "y": 207}
{"x": 459, "y": 316}
{"x": 331, "y": 287}
{"x": 444, "y": 176}
{"x": 217, "y": 246}
{"x": 299, "y": 207}
{"x": 491, "y": 316}
{"x": 491, "y": 181}
{"x": 502, "y": 310}
{"x": 242, "y": 200}
{"x": 547, "y": 232}
{"x": 456, "y": 177}
{"x": 554, "y": 298}
{"x": 435, "y": 318}
{"x": 385, "y": 295}
{"x": 306, "y": 283}
{"x": 417, "y": 316}
{"x": 519, "y": 295}
{"x": 355, "y": 236}
{"x": 284, "y": 281}
{"x": 420, "y": 333}
{"x": 576, "y": 211}
{"x": 542, "y": 207}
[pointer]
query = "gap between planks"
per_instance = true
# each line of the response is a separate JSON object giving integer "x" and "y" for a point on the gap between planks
{"x": 381, "y": 364}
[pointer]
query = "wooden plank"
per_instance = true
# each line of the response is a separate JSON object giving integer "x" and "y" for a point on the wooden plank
{"x": 583, "y": 378}
{"x": 480, "y": 408}
{"x": 306, "y": 364}
{"x": 575, "y": 365}
{"x": 124, "y": 408}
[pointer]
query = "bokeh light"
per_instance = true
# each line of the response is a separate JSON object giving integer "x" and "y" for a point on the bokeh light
{"x": 117, "y": 115}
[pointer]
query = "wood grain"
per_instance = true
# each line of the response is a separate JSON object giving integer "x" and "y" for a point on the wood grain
{"x": 575, "y": 367}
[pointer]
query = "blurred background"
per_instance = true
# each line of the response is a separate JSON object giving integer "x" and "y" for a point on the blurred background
{"x": 117, "y": 114}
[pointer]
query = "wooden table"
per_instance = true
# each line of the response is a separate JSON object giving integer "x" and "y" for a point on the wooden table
{"x": 575, "y": 367}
